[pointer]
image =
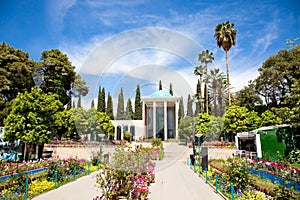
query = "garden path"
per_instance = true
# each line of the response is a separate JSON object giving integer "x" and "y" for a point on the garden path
{"x": 175, "y": 180}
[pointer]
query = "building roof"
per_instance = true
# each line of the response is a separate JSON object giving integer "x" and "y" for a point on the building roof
{"x": 160, "y": 94}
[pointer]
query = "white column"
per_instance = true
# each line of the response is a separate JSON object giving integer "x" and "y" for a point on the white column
{"x": 116, "y": 132}
{"x": 154, "y": 119}
{"x": 144, "y": 117}
{"x": 165, "y": 120}
{"x": 176, "y": 120}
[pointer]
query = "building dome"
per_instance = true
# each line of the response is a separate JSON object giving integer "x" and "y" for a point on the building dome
{"x": 160, "y": 94}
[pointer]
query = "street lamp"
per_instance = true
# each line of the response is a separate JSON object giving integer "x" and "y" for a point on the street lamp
{"x": 101, "y": 135}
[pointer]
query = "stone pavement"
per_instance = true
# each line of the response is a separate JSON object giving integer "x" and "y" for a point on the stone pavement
{"x": 174, "y": 180}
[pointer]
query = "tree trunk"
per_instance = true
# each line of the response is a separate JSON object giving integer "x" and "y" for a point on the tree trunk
{"x": 227, "y": 73}
{"x": 27, "y": 152}
{"x": 40, "y": 151}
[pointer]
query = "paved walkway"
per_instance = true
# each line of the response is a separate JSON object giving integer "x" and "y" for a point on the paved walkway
{"x": 174, "y": 180}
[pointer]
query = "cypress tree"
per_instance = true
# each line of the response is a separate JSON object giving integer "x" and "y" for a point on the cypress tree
{"x": 138, "y": 104}
{"x": 93, "y": 104}
{"x": 189, "y": 112}
{"x": 205, "y": 99}
{"x": 160, "y": 86}
{"x": 171, "y": 89}
{"x": 129, "y": 111}
{"x": 99, "y": 102}
{"x": 109, "y": 109}
{"x": 120, "y": 108}
{"x": 103, "y": 104}
{"x": 181, "y": 110}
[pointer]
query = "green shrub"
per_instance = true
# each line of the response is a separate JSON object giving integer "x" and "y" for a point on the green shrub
{"x": 127, "y": 136}
{"x": 156, "y": 142}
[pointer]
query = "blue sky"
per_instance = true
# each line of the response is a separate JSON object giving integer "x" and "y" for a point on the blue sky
{"x": 124, "y": 43}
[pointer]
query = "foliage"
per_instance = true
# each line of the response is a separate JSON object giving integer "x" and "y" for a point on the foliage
{"x": 181, "y": 110}
{"x": 238, "y": 119}
{"x": 171, "y": 89}
{"x": 237, "y": 173}
{"x": 225, "y": 36}
{"x": 256, "y": 195}
{"x": 32, "y": 116}
{"x": 189, "y": 112}
{"x": 185, "y": 128}
{"x": 294, "y": 157}
{"x": 120, "y": 108}
{"x": 17, "y": 75}
{"x": 127, "y": 136}
{"x": 79, "y": 87}
{"x": 269, "y": 118}
{"x": 156, "y": 142}
{"x": 277, "y": 76}
{"x": 109, "y": 109}
{"x": 129, "y": 175}
{"x": 202, "y": 123}
{"x": 282, "y": 193}
{"x": 138, "y": 104}
{"x": 129, "y": 112}
{"x": 57, "y": 74}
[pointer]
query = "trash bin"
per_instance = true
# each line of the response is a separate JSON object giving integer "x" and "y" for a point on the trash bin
{"x": 192, "y": 159}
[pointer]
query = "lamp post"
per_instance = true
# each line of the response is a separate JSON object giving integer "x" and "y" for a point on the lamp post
{"x": 199, "y": 146}
{"x": 101, "y": 135}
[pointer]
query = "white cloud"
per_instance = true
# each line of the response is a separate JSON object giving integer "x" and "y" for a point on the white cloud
{"x": 57, "y": 10}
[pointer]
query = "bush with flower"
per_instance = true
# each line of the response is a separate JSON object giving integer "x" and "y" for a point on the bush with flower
{"x": 130, "y": 174}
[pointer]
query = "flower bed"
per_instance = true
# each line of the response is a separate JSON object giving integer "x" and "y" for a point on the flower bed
{"x": 57, "y": 173}
{"x": 282, "y": 170}
{"x": 218, "y": 144}
{"x": 129, "y": 175}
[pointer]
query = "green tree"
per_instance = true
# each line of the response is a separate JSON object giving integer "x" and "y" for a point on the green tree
{"x": 202, "y": 123}
{"x": 103, "y": 104}
{"x": 189, "y": 112}
{"x": 185, "y": 128}
{"x": 80, "y": 122}
{"x": 215, "y": 128}
{"x": 80, "y": 89}
{"x": 277, "y": 76}
{"x": 109, "y": 109}
{"x": 99, "y": 101}
{"x": 181, "y": 110}
{"x": 31, "y": 118}
{"x": 171, "y": 89}
{"x": 129, "y": 111}
{"x": 106, "y": 124}
{"x": 16, "y": 75}
{"x": 225, "y": 35}
{"x": 206, "y": 57}
{"x": 198, "y": 96}
{"x": 93, "y": 104}
{"x": 268, "y": 118}
{"x": 120, "y": 108}
{"x": 216, "y": 88}
{"x": 199, "y": 71}
{"x": 64, "y": 125}
{"x": 138, "y": 104}
{"x": 248, "y": 97}
{"x": 239, "y": 119}
{"x": 57, "y": 74}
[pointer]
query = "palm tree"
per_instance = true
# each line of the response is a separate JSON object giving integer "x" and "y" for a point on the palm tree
{"x": 216, "y": 88}
{"x": 225, "y": 35}
{"x": 199, "y": 71}
{"x": 206, "y": 57}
